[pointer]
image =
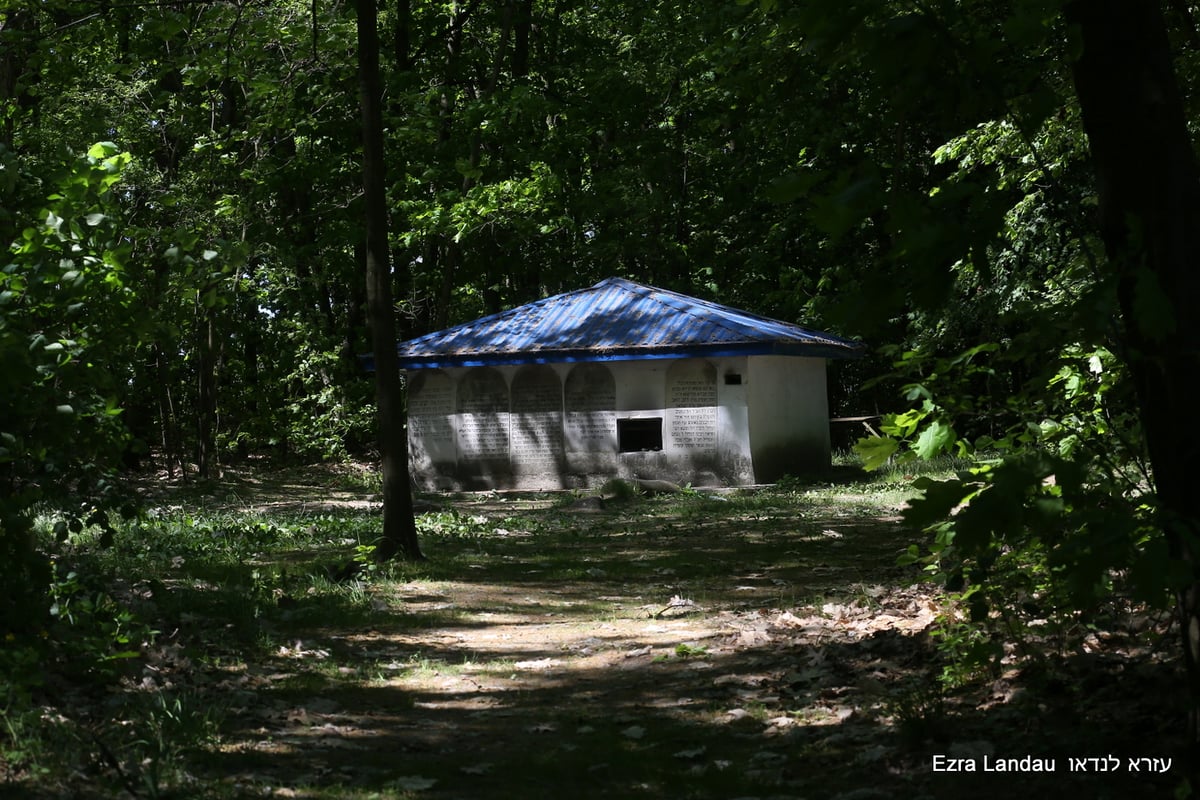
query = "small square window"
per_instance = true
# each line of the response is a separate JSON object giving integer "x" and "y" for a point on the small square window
{"x": 733, "y": 379}
{"x": 636, "y": 435}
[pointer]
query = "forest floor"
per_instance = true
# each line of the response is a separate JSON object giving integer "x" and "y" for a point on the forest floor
{"x": 755, "y": 644}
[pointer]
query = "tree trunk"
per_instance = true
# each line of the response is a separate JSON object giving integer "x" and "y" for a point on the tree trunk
{"x": 166, "y": 414}
{"x": 520, "y": 56}
{"x": 206, "y": 411}
{"x": 402, "y": 37}
{"x": 250, "y": 348}
{"x": 11, "y": 67}
{"x": 399, "y": 528}
{"x": 1149, "y": 191}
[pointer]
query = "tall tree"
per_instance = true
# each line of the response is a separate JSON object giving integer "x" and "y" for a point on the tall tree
{"x": 399, "y": 527}
{"x": 1149, "y": 190}
{"x": 1014, "y": 98}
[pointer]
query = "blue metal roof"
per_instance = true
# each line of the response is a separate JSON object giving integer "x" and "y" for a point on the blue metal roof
{"x": 616, "y": 320}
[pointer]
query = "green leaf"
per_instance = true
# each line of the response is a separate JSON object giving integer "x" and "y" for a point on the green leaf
{"x": 915, "y": 391}
{"x": 938, "y": 499}
{"x": 875, "y": 451}
{"x": 935, "y": 439}
{"x": 103, "y": 150}
{"x": 903, "y": 425}
{"x": 910, "y": 556}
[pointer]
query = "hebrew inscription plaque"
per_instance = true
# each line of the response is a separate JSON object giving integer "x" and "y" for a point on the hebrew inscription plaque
{"x": 590, "y": 400}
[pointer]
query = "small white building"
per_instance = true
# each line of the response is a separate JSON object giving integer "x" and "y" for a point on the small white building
{"x": 618, "y": 380}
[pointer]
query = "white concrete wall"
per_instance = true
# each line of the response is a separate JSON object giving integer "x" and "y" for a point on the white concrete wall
{"x": 788, "y": 416}
{"x": 556, "y": 426}
{"x": 733, "y": 419}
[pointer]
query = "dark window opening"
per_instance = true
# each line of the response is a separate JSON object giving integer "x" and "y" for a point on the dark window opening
{"x": 638, "y": 435}
{"x": 733, "y": 379}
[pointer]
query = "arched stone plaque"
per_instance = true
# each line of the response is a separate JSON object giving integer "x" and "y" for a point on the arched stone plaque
{"x": 482, "y": 415}
{"x": 431, "y": 446}
{"x": 590, "y": 401}
{"x": 692, "y": 407}
{"x": 535, "y": 424}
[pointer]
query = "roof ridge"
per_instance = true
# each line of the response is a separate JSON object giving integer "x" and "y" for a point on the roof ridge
{"x": 720, "y": 315}
{"x": 501, "y": 314}
{"x": 615, "y": 320}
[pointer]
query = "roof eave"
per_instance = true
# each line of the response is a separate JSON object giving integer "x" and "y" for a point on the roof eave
{"x": 797, "y": 349}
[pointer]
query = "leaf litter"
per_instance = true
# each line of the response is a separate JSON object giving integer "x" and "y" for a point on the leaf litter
{"x": 755, "y": 688}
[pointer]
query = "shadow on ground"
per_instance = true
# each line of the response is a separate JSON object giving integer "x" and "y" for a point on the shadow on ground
{"x": 753, "y": 722}
{"x": 707, "y": 647}
{"x": 533, "y": 663}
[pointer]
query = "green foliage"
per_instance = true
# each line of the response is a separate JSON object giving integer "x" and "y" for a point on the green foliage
{"x": 66, "y": 318}
{"x": 68, "y": 323}
{"x": 165, "y": 727}
{"x": 365, "y": 560}
{"x": 919, "y": 711}
{"x": 143, "y": 752}
{"x": 1062, "y": 500}
{"x": 968, "y": 651}
{"x": 1055, "y": 516}
{"x": 329, "y": 415}
{"x": 686, "y": 651}
{"x": 93, "y": 630}
{"x": 454, "y": 526}
{"x": 620, "y": 490}
{"x": 86, "y": 639}
{"x": 25, "y": 748}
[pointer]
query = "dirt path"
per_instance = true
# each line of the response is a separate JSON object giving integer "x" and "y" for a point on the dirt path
{"x": 704, "y": 648}
{"x": 699, "y": 701}
{"x": 625, "y": 654}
